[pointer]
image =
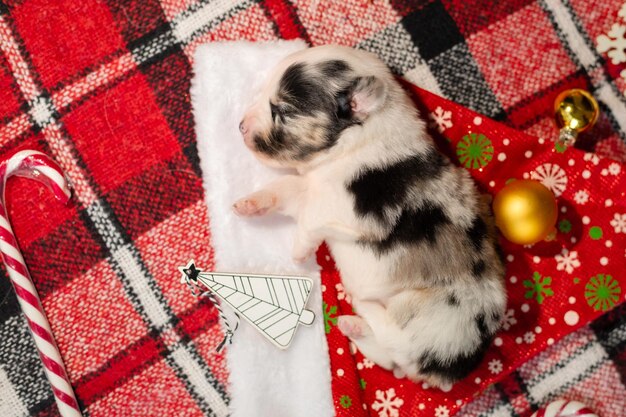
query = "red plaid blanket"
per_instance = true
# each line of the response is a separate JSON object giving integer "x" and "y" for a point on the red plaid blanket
{"x": 103, "y": 87}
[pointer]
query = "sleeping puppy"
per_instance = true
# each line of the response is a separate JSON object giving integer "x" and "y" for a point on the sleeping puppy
{"x": 411, "y": 236}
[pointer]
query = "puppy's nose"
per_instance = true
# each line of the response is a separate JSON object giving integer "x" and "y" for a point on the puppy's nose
{"x": 243, "y": 128}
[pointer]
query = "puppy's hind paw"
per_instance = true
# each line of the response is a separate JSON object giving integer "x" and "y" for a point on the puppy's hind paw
{"x": 353, "y": 327}
{"x": 256, "y": 204}
{"x": 398, "y": 373}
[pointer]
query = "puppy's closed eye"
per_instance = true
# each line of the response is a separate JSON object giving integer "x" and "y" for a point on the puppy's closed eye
{"x": 273, "y": 111}
{"x": 280, "y": 112}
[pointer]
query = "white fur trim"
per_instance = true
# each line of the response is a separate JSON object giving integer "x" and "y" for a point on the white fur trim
{"x": 264, "y": 381}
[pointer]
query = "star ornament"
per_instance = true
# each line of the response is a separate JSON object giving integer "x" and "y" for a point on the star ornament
{"x": 189, "y": 272}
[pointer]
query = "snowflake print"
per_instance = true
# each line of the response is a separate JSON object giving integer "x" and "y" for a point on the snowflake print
{"x": 329, "y": 320}
{"x": 474, "y": 150}
{"x": 613, "y": 43}
{"x": 602, "y": 292}
{"x": 509, "y": 319}
{"x": 552, "y": 176}
{"x": 441, "y": 119}
{"x": 591, "y": 157}
{"x": 560, "y": 146}
{"x": 581, "y": 197}
{"x": 567, "y": 261}
{"x": 495, "y": 366}
{"x": 442, "y": 411}
{"x": 386, "y": 403}
{"x": 368, "y": 363}
{"x": 345, "y": 401}
{"x": 619, "y": 223}
{"x": 529, "y": 337}
{"x": 538, "y": 287}
{"x": 565, "y": 226}
{"x": 342, "y": 294}
{"x": 365, "y": 364}
{"x": 615, "y": 168}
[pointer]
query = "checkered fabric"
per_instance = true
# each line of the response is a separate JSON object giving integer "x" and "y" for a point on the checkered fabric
{"x": 587, "y": 366}
{"x": 103, "y": 87}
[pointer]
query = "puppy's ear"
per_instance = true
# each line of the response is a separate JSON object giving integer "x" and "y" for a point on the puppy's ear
{"x": 368, "y": 95}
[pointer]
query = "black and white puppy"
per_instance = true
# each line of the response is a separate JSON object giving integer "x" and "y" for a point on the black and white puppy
{"x": 411, "y": 236}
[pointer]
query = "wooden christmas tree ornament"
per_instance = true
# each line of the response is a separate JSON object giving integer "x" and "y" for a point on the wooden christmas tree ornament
{"x": 273, "y": 304}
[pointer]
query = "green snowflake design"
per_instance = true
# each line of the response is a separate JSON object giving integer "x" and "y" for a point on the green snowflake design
{"x": 560, "y": 146}
{"x": 565, "y": 226}
{"x": 329, "y": 320}
{"x": 345, "y": 401}
{"x": 474, "y": 150}
{"x": 363, "y": 383}
{"x": 576, "y": 280}
{"x": 538, "y": 287}
{"x": 602, "y": 292}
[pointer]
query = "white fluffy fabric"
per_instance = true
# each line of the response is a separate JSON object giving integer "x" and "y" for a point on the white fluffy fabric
{"x": 264, "y": 381}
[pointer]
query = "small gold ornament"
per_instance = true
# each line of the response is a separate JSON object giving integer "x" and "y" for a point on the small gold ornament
{"x": 575, "y": 111}
{"x": 525, "y": 211}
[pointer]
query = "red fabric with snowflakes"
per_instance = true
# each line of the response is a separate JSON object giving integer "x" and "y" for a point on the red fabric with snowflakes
{"x": 553, "y": 287}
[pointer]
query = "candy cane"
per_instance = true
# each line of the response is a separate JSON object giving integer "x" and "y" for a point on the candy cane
{"x": 33, "y": 164}
{"x": 563, "y": 408}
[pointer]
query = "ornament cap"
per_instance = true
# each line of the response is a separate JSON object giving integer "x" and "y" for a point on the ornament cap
{"x": 567, "y": 136}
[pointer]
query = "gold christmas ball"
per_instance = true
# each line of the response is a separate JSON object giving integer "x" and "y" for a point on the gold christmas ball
{"x": 525, "y": 211}
{"x": 575, "y": 111}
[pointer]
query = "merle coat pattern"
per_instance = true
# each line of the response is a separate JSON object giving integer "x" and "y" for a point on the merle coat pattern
{"x": 411, "y": 236}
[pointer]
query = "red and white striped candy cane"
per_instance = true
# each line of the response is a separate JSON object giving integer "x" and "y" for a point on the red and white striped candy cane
{"x": 36, "y": 165}
{"x": 563, "y": 408}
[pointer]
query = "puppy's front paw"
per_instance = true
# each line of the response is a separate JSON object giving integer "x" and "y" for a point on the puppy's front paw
{"x": 256, "y": 204}
{"x": 300, "y": 255}
{"x": 303, "y": 249}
